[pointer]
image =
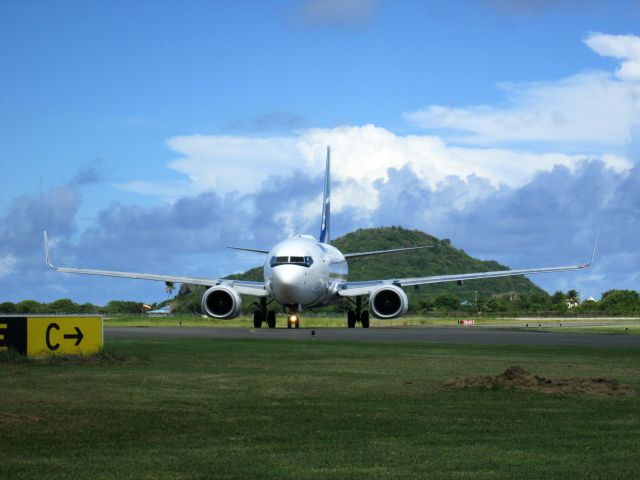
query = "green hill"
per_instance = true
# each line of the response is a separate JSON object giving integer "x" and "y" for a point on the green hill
{"x": 441, "y": 259}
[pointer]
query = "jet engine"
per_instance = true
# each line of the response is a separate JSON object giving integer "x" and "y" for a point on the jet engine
{"x": 388, "y": 302}
{"x": 221, "y": 302}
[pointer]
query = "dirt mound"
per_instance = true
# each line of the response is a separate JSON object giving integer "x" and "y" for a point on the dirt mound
{"x": 517, "y": 378}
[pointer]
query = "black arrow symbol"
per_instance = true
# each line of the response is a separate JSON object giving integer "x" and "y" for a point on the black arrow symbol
{"x": 78, "y": 336}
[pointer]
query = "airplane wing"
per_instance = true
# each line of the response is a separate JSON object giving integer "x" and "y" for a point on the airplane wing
{"x": 382, "y": 252}
{"x": 355, "y": 289}
{"x": 242, "y": 286}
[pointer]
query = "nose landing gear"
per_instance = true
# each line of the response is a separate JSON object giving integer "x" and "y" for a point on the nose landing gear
{"x": 293, "y": 315}
{"x": 293, "y": 321}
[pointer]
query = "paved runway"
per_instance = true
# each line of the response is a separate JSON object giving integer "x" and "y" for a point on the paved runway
{"x": 466, "y": 335}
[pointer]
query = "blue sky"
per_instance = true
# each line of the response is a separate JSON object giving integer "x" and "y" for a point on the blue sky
{"x": 149, "y": 135}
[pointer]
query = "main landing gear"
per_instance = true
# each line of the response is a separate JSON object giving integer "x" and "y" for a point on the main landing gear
{"x": 353, "y": 318}
{"x": 358, "y": 315}
{"x": 264, "y": 315}
{"x": 259, "y": 318}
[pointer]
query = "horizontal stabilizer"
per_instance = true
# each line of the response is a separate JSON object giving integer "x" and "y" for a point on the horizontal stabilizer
{"x": 254, "y": 250}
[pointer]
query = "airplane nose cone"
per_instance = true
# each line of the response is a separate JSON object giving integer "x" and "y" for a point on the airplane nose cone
{"x": 289, "y": 275}
{"x": 288, "y": 284}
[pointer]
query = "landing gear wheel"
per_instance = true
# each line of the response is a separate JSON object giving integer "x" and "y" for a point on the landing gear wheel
{"x": 364, "y": 319}
{"x": 258, "y": 318}
{"x": 351, "y": 319}
{"x": 293, "y": 323}
{"x": 271, "y": 319}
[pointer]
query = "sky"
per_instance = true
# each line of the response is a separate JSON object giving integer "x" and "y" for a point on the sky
{"x": 149, "y": 136}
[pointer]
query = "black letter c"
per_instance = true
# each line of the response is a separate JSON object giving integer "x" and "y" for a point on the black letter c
{"x": 49, "y": 328}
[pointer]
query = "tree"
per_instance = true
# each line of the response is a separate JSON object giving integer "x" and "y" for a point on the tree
{"x": 87, "y": 308}
{"x": 446, "y": 302}
{"x": 572, "y": 296}
{"x": 29, "y": 306}
{"x": 120, "y": 306}
{"x": 169, "y": 287}
{"x": 64, "y": 305}
{"x": 620, "y": 302}
{"x": 7, "y": 308}
{"x": 558, "y": 298}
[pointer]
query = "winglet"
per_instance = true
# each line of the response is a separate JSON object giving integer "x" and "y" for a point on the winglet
{"x": 593, "y": 253}
{"x": 326, "y": 205}
{"x": 47, "y": 253}
{"x": 595, "y": 245}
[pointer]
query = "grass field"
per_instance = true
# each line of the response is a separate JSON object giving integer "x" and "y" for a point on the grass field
{"x": 568, "y": 324}
{"x": 199, "y": 409}
{"x": 246, "y": 321}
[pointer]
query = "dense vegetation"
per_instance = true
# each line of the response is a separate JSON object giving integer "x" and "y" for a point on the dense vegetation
{"x": 499, "y": 296}
{"x": 613, "y": 303}
{"x": 68, "y": 306}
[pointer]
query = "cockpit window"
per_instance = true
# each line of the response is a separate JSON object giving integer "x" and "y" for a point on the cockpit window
{"x": 301, "y": 261}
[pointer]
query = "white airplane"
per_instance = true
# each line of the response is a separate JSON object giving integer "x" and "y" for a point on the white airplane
{"x": 304, "y": 272}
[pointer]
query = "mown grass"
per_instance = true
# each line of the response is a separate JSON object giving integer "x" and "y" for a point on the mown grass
{"x": 199, "y": 409}
{"x": 247, "y": 321}
{"x": 623, "y": 325}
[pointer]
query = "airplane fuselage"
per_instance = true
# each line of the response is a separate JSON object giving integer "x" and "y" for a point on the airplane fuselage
{"x": 304, "y": 272}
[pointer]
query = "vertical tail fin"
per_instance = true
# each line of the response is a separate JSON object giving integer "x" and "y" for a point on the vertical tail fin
{"x": 325, "y": 236}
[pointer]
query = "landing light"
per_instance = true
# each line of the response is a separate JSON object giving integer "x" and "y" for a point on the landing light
{"x": 293, "y": 318}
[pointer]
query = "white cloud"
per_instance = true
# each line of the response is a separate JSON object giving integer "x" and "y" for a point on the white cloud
{"x": 586, "y": 109}
{"x": 227, "y": 163}
{"x": 7, "y": 265}
{"x": 592, "y": 110}
{"x": 623, "y": 47}
{"x": 361, "y": 156}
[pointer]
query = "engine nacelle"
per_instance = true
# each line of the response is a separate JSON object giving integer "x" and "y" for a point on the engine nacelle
{"x": 221, "y": 302}
{"x": 388, "y": 302}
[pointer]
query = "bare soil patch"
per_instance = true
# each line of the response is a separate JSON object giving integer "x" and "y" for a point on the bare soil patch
{"x": 517, "y": 378}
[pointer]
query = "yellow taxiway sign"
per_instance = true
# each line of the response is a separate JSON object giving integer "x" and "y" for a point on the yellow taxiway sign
{"x": 37, "y": 336}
